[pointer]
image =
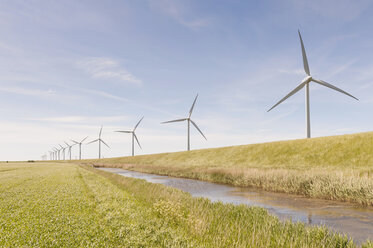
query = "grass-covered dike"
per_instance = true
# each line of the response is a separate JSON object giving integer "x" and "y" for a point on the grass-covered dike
{"x": 65, "y": 205}
{"x": 334, "y": 168}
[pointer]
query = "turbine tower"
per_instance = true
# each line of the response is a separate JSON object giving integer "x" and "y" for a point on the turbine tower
{"x": 58, "y": 153}
{"x": 80, "y": 147}
{"x": 189, "y": 120}
{"x": 69, "y": 146}
{"x": 99, "y": 140}
{"x": 54, "y": 154}
{"x": 63, "y": 151}
{"x": 305, "y": 83}
{"x": 133, "y": 136}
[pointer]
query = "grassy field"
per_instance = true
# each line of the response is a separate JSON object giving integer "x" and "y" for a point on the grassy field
{"x": 64, "y": 205}
{"x": 335, "y": 168}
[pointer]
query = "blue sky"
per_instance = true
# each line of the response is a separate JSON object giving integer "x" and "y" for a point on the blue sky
{"x": 68, "y": 67}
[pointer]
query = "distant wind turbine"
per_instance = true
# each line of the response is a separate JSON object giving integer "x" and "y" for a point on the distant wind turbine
{"x": 55, "y": 153}
{"x": 80, "y": 146}
{"x": 133, "y": 136}
{"x": 69, "y": 147}
{"x": 63, "y": 151}
{"x": 99, "y": 140}
{"x": 58, "y": 153}
{"x": 189, "y": 120}
{"x": 306, "y": 81}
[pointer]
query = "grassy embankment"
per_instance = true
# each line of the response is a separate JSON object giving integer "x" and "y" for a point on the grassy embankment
{"x": 335, "y": 168}
{"x": 64, "y": 205}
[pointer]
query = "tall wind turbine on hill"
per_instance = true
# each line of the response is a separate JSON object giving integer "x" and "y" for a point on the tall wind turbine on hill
{"x": 305, "y": 83}
{"x": 189, "y": 120}
{"x": 99, "y": 140}
{"x": 80, "y": 146}
{"x": 133, "y": 136}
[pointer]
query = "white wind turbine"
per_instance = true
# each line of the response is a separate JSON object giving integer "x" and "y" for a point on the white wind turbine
{"x": 58, "y": 153}
{"x": 189, "y": 120}
{"x": 305, "y": 82}
{"x": 69, "y": 148}
{"x": 80, "y": 147}
{"x": 63, "y": 151}
{"x": 99, "y": 140}
{"x": 133, "y": 136}
{"x": 54, "y": 154}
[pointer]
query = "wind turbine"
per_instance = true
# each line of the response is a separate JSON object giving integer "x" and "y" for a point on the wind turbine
{"x": 58, "y": 153}
{"x": 63, "y": 151}
{"x": 69, "y": 146}
{"x": 99, "y": 143}
{"x": 189, "y": 120}
{"x": 80, "y": 147}
{"x": 133, "y": 136}
{"x": 305, "y": 83}
{"x": 55, "y": 153}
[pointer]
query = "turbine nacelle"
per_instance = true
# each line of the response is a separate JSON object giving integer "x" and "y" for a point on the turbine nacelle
{"x": 307, "y": 80}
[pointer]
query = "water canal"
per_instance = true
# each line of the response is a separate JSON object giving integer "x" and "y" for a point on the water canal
{"x": 356, "y": 222}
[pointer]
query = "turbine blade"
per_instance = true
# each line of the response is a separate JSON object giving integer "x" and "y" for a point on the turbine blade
{"x": 332, "y": 87}
{"x": 76, "y": 142}
{"x": 84, "y": 139}
{"x": 175, "y": 120}
{"x": 305, "y": 62}
{"x": 100, "y": 132}
{"x": 104, "y": 143}
{"x": 191, "y": 109}
{"x": 138, "y": 123}
{"x": 137, "y": 140}
{"x": 123, "y": 131}
{"x": 93, "y": 141}
{"x": 299, "y": 87}
{"x": 195, "y": 125}
{"x": 66, "y": 143}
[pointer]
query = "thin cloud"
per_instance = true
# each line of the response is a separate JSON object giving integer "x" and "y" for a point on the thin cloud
{"x": 336, "y": 9}
{"x": 107, "y": 68}
{"x": 179, "y": 13}
{"x": 81, "y": 119}
{"x": 106, "y": 95}
{"x": 26, "y": 91}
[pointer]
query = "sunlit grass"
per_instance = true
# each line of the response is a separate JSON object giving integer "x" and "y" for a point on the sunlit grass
{"x": 336, "y": 167}
{"x": 64, "y": 205}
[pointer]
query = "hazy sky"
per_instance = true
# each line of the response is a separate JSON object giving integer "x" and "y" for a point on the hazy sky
{"x": 68, "y": 67}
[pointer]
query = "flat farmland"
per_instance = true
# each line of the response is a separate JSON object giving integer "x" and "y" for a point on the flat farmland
{"x": 66, "y": 205}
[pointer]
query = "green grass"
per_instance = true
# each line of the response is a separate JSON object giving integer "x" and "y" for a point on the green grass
{"x": 336, "y": 167}
{"x": 64, "y": 205}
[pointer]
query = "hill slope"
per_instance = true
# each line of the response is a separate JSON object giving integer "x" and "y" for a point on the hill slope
{"x": 335, "y": 167}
